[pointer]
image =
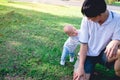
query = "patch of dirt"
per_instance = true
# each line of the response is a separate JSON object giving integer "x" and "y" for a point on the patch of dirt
{"x": 17, "y": 78}
{"x": 66, "y": 78}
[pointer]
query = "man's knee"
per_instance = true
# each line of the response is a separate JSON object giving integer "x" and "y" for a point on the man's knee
{"x": 117, "y": 73}
{"x": 117, "y": 67}
{"x": 116, "y": 57}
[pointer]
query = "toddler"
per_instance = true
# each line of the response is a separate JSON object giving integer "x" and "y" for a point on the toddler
{"x": 70, "y": 44}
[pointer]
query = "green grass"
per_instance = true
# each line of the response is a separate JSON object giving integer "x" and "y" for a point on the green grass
{"x": 116, "y": 3}
{"x": 31, "y": 40}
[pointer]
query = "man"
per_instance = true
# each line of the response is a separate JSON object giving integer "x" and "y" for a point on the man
{"x": 100, "y": 39}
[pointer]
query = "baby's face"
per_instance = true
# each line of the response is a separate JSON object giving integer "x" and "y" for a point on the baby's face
{"x": 72, "y": 32}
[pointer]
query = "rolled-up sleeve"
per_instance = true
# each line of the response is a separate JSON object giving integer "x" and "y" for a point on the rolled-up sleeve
{"x": 84, "y": 35}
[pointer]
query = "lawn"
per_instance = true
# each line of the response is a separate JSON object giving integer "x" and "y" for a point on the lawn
{"x": 116, "y": 3}
{"x": 31, "y": 40}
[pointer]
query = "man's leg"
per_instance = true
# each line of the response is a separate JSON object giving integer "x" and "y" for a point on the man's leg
{"x": 117, "y": 67}
{"x": 75, "y": 69}
{"x": 89, "y": 67}
{"x": 117, "y": 64}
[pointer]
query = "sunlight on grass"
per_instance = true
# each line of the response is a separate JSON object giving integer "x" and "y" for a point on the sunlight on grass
{"x": 55, "y": 10}
{"x": 4, "y": 1}
{"x": 116, "y": 3}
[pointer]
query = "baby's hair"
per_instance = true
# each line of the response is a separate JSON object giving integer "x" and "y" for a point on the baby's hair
{"x": 67, "y": 28}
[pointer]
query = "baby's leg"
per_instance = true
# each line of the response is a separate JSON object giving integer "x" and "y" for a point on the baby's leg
{"x": 65, "y": 52}
{"x": 72, "y": 54}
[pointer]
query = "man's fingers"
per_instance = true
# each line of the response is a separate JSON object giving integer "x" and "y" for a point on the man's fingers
{"x": 107, "y": 51}
{"x": 111, "y": 53}
{"x": 75, "y": 76}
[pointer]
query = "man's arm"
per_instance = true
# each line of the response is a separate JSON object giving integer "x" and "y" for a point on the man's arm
{"x": 80, "y": 72}
{"x": 83, "y": 52}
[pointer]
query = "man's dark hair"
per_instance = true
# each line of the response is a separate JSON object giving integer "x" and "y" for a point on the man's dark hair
{"x": 93, "y": 8}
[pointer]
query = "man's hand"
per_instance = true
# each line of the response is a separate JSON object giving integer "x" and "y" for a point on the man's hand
{"x": 111, "y": 49}
{"x": 79, "y": 74}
